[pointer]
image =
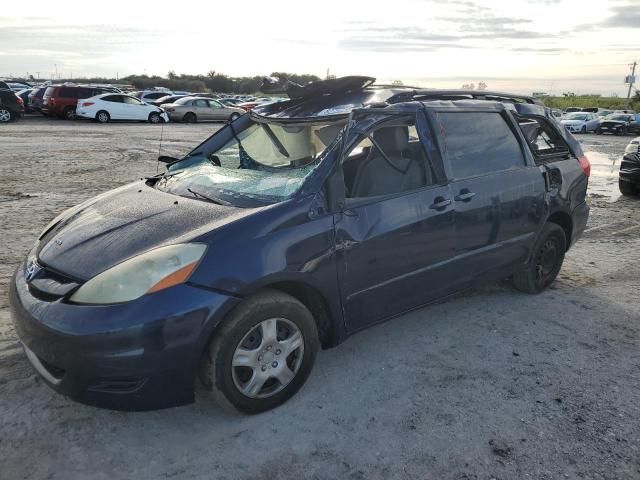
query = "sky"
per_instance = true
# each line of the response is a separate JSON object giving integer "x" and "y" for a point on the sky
{"x": 554, "y": 46}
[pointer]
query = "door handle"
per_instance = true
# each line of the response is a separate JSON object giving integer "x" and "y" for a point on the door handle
{"x": 464, "y": 196}
{"x": 440, "y": 203}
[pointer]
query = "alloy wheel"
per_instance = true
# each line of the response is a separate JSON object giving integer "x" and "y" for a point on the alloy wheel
{"x": 5, "y": 115}
{"x": 267, "y": 358}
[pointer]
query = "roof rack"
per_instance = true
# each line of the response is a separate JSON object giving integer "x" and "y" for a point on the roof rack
{"x": 437, "y": 94}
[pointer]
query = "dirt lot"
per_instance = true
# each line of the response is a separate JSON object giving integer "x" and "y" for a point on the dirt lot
{"x": 490, "y": 384}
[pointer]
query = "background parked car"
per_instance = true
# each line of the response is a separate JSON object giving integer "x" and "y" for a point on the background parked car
{"x": 190, "y": 110}
{"x": 11, "y": 106}
{"x": 35, "y": 98}
{"x": 571, "y": 109}
{"x": 629, "y": 176}
{"x": 24, "y": 95}
{"x": 153, "y": 95}
{"x": 61, "y": 100}
{"x": 109, "y": 106}
{"x": 580, "y": 122}
{"x": 167, "y": 99}
{"x": 620, "y": 124}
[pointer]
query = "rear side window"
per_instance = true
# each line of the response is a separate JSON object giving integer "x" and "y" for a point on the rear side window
{"x": 478, "y": 143}
{"x": 68, "y": 92}
{"x": 113, "y": 98}
{"x": 544, "y": 141}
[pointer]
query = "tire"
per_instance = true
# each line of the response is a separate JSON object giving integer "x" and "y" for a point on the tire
{"x": 241, "y": 336}
{"x": 545, "y": 262}
{"x": 69, "y": 113}
{"x": 234, "y": 116}
{"x": 583, "y": 129}
{"x": 627, "y": 189}
{"x": 598, "y": 131}
{"x": 103, "y": 117}
{"x": 6, "y": 115}
{"x": 154, "y": 117}
{"x": 189, "y": 118}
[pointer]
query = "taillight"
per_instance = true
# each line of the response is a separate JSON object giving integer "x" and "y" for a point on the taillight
{"x": 585, "y": 165}
{"x": 87, "y": 104}
{"x": 20, "y": 101}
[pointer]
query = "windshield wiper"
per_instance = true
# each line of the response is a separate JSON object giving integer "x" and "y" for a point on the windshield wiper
{"x": 275, "y": 140}
{"x": 210, "y": 199}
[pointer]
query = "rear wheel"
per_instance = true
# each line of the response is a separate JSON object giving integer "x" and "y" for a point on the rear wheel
{"x": 584, "y": 129}
{"x": 234, "y": 116}
{"x": 103, "y": 117}
{"x": 5, "y": 115}
{"x": 155, "y": 117}
{"x": 70, "y": 113}
{"x": 262, "y": 354}
{"x": 189, "y": 118}
{"x": 598, "y": 131}
{"x": 627, "y": 188}
{"x": 545, "y": 262}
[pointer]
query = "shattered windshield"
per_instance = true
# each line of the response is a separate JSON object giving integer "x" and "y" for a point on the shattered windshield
{"x": 262, "y": 163}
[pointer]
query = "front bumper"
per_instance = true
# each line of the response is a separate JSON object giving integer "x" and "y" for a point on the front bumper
{"x": 139, "y": 355}
{"x": 574, "y": 128}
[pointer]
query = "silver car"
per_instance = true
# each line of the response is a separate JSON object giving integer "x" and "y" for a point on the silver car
{"x": 195, "y": 109}
{"x": 580, "y": 122}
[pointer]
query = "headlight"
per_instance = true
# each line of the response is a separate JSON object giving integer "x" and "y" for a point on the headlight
{"x": 632, "y": 148}
{"x": 149, "y": 272}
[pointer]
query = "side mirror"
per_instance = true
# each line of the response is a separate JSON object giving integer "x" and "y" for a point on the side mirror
{"x": 167, "y": 159}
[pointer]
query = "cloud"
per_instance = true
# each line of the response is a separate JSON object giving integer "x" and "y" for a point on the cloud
{"x": 624, "y": 16}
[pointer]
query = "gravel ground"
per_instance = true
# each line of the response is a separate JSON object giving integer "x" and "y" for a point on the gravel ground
{"x": 489, "y": 384}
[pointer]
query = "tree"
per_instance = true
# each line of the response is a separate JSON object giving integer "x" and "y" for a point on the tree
{"x": 482, "y": 86}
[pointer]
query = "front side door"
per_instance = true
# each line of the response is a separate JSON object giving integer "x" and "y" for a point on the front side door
{"x": 394, "y": 235}
{"x": 496, "y": 191}
{"x": 218, "y": 111}
{"x": 136, "y": 109}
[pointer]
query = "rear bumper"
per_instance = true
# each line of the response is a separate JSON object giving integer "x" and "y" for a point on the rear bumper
{"x": 141, "y": 355}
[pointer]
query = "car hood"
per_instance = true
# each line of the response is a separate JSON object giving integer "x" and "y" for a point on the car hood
{"x": 126, "y": 222}
{"x": 572, "y": 122}
{"x": 614, "y": 122}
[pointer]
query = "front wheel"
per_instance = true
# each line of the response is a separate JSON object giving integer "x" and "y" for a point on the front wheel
{"x": 155, "y": 117}
{"x": 627, "y": 189}
{"x": 234, "y": 116}
{"x": 584, "y": 129}
{"x": 598, "y": 131}
{"x": 5, "y": 115}
{"x": 262, "y": 354}
{"x": 545, "y": 261}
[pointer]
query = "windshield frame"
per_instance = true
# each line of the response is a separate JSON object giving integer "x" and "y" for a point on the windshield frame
{"x": 310, "y": 185}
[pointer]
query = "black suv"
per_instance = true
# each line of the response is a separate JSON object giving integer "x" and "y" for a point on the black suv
{"x": 291, "y": 228}
{"x": 11, "y": 106}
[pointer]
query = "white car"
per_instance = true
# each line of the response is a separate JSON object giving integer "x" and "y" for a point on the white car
{"x": 580, "y": 122}
{"x": 112, "y": 106}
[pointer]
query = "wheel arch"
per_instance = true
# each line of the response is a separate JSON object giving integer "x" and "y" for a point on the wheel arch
{"x": 310, "y": 296}
{"x": 563, "y": 219}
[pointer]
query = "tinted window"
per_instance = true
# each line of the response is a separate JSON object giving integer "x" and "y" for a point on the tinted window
{"x": 479, "y": 142}
{"x": 154, "y": 96}
{"x": 131, "y": 100}
{"x": 68, "y": 92}
{"x": 113, "y": 98}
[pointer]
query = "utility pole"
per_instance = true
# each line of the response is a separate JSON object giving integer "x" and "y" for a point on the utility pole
{"x": 632, "y": 79}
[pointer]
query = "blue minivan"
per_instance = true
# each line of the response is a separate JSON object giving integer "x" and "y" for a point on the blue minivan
{"x": 289, "y": 229}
